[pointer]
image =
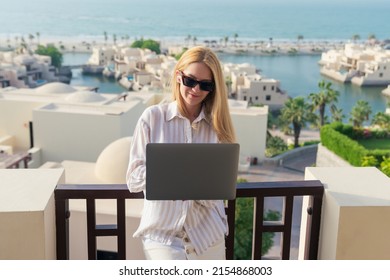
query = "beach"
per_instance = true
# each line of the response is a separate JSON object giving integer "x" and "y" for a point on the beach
{"x": 79, "y": 44}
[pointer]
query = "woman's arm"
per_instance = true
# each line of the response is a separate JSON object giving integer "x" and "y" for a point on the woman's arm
{"x": 136, "y": 171}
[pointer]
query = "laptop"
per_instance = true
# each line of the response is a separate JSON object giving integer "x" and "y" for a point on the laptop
{"x": 178, "y": 171}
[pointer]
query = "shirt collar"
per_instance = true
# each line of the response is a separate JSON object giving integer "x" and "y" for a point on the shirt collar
{"x": 173, "y": 111}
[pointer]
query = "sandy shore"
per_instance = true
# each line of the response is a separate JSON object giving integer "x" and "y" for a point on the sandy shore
{"x": 274, "y": 47}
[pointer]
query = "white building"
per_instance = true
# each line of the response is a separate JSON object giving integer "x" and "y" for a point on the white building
{"x": 261, "y": 91}
{"x": 247, "y": 85}
{"x": 361, "y": 65}
{"x": 52, "y": 119}
{"x": 250, "y": 124}
{"x": 25, "y": 70}
{"x": 101, "y": 56}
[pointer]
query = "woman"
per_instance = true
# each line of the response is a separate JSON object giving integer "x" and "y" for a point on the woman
{"x": 199, "y": 114}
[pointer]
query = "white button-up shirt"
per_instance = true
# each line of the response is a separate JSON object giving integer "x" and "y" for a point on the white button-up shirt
{"x": 204, "y": 221}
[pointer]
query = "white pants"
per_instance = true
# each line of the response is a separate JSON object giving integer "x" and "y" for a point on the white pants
{"x": 182, "y": 249}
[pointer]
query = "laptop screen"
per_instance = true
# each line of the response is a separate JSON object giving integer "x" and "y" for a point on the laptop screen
{"x": 177, "y": 171}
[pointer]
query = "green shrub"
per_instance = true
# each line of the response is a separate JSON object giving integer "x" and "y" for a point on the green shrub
{"x": 380, "y": 133}
{"x": 311, "y": 142}
{"x": 385, "y": 166}
{"x": 53, "y": 52}
{"x": 275, "y": 145}
{"x": 338, "y": 138}
{"x": 369, "y": 161}
{"x": 342, "y": 145}
{"x": 147, "y": 44}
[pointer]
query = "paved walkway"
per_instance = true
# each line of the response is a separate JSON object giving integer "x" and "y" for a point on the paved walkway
{"x": 292, "y": 170}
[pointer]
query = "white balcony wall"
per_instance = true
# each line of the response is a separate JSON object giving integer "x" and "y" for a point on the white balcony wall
{"x": 250, "y": 125}
{"x": 355, "y": 221}
{"x": 27, "y": 213}
{"x": 14, "y": 120}
{"x": 58, "y": 130}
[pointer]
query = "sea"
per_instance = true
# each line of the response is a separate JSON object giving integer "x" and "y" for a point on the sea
{"x": 175, "y": 20}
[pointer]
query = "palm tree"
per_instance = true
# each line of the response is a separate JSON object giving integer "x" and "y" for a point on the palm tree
{"x": 355, "y": 37}
{"x": 296, "y": 112}
{"x": 114, "y": 38}
{"x": 270, "y": 41}
{"x": 23, "y": 44}
{"x": 31, "y": 38}
{"x": 371, "y": 39}
{"x": 337, "y": 114}
{"x": 105, "y": 37}
{"x": 360, "y": 113}
{"x": 226, "y": 39}
{"x": 299, "y": 39}
{"x": 38, "y": 36}
{"x": 325, "y": 96}
{"x": 235, "y": 36}
{"x": 188, "y": 39}
{"x": 382, "y": 120}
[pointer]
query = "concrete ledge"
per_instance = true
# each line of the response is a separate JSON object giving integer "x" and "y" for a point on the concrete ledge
{"x": 279, "y": 159}
{"x": 327, "y": 158}
{"x": 355, "y": 211}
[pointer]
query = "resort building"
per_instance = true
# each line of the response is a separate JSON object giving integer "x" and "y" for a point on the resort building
{"x": 360, "y": 65}
{"x": 246, "y": 84}
{"x": 45, "y": 121}
{"x": 135, "y": 69}
{"x": 101, "y": 56}
{"x": 25, "y": 70}
{"x": 261, "y": 91}
{"x": 234, "y": 72}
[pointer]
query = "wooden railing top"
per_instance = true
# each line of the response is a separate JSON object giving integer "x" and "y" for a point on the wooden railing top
{"x": 257, "y": 190}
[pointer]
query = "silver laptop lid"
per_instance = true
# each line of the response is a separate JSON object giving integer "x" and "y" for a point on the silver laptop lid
{"x": 191, "y": 171}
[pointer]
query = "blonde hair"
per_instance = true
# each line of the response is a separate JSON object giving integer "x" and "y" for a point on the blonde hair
{"x": 216, "y": 102}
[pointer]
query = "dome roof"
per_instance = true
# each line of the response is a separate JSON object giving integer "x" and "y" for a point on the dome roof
{"x": 55, "y": 87}
{"x": 85, "y": 97}
{"x": 111, "y": 165}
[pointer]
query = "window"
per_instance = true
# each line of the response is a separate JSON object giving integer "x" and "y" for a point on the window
{"x": 256, "y": 98}
{"x": 268, "y": 97}
{"x": 380, "y": 75}
{"x": 273, "y": 88}
{"x": 264, "y": 88}
{"x": 244, "y": 98}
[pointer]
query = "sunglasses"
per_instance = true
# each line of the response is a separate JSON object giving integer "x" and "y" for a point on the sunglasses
{"x": 190, "y": 82}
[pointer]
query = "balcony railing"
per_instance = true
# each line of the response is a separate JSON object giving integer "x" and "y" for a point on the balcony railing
{"x": 258, "y": 191}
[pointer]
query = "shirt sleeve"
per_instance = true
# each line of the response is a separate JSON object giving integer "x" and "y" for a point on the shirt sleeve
{"x": 136, "y": 172}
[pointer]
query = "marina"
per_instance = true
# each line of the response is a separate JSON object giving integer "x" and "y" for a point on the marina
{"x": 299, "y": 76}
